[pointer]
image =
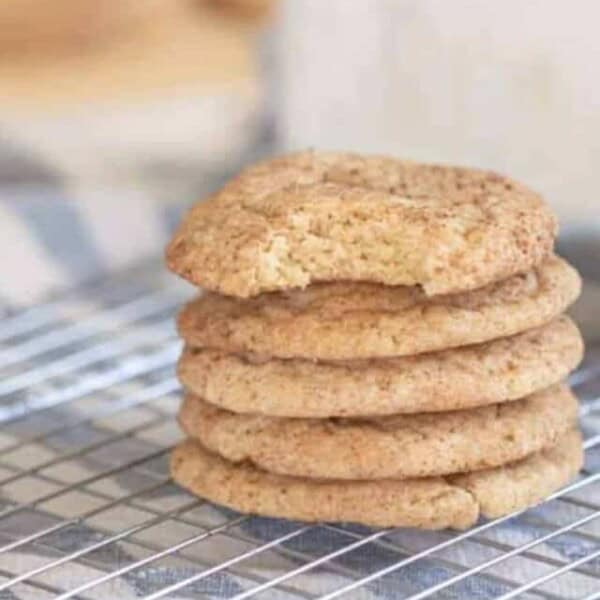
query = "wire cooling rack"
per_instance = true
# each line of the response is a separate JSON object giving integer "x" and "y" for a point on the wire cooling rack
{"x": 87, "y": 510}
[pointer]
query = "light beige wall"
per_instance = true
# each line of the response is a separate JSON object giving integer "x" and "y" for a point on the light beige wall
{"x": 512, "y": 85}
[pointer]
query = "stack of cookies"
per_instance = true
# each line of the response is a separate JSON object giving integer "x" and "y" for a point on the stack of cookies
{"x": 380, "y": 342}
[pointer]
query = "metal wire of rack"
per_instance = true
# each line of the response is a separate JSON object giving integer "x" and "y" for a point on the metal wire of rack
{"x": 87, "y": 510}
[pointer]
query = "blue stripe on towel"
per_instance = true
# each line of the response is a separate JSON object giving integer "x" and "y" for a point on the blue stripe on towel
{"x": 59, "y": 229}
{"x": 19, "y": 166}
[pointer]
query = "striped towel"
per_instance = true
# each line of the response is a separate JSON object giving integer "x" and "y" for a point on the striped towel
{"x": 78, "y": 200}
{"x": 56, "y": 240}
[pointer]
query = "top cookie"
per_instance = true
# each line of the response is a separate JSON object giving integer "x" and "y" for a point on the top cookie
{"x": 320, "y": 216}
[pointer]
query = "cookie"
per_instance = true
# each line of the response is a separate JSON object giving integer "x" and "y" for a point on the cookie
{"x": 431, "y": 503}
{"x": 340, "y": 321}
{"x": 315, "y": 216}
{"x": 396, "y": 446}
{"x": 488, "y": 373}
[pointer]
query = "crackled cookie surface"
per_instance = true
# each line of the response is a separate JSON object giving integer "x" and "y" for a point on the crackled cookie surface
{"x": 317, "y": 216}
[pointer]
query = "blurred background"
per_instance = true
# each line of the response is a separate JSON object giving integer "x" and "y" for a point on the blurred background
{"x": 117, "y": 114}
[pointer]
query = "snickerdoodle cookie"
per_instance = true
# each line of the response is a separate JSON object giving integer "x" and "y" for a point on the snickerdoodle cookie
{"x": 319, "y": 216}
{"x": 429, "y": 503}
{"x": 478, "y": 375}
{"x": 337, "y": 321}
{"x": 395, "y": 447}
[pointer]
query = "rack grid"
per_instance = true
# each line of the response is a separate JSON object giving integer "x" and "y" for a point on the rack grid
{"x": 87, "y": 510}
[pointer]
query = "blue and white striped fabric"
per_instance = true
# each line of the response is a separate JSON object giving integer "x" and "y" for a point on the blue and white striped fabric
{"x": 102, "y": 187}
{"x": 54, "y": 238}
{"x": 78, "y": 206}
